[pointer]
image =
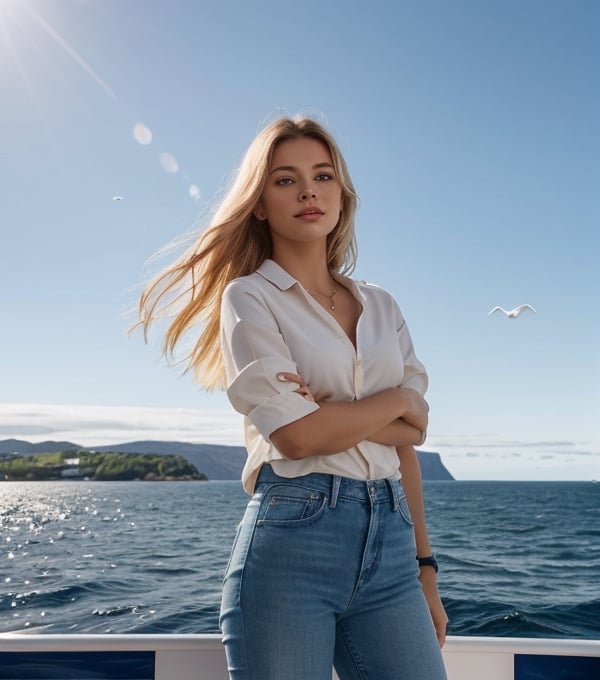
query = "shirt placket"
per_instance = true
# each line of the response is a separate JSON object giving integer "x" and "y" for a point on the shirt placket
{"x": 358, "y": 373}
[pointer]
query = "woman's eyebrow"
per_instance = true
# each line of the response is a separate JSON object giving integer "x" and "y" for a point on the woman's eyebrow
{"x": 291, "y": 168}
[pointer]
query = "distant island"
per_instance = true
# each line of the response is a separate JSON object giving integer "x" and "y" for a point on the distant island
{"x": 211, "y": 461}
{"x": 109, "y": 466}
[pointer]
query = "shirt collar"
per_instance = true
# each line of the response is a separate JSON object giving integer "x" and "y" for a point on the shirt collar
{"x": 277, "y": 275}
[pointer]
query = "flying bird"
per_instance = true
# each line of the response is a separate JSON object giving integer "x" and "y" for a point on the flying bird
{"x": 511, "y": 313}
{"x": 117, "y": 198}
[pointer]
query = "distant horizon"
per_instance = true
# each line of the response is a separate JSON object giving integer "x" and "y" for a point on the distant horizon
{"x": 489, "y": 459}
{"x": 179, "y": 441}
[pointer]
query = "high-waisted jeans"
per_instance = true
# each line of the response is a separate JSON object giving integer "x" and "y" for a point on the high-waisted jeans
{"x": 323, "y": 573}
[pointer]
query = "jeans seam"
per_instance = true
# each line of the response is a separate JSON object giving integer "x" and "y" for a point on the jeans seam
{"x": 355, "y": 659}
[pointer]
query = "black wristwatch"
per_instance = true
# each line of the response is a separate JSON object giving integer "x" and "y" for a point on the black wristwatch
{"x": 429, "y": 561}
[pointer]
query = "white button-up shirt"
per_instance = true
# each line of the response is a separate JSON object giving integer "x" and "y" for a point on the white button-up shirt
{"x": 271, "y": 324}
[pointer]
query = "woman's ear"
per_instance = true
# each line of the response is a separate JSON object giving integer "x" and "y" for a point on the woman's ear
{"x": 259, "y": 212}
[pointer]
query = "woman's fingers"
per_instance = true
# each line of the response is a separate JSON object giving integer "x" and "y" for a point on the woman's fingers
{"x": 305, "y": 392}
{"x": 304, "y": 389}
{"x": 290, "y": 377}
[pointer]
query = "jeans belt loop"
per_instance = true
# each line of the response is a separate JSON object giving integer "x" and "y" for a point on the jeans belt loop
{"x": 395, "y": 493}
{"x": 335, "y": 489}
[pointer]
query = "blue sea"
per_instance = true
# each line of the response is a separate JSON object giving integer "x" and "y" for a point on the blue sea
{"x": 516, "y": 559}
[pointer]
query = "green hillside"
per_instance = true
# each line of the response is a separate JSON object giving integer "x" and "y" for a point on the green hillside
{"x": 104, "y": 466}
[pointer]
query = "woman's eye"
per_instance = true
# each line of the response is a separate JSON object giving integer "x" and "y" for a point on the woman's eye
{"x": 284, "y": 181}
{"x": 324, "y": 177}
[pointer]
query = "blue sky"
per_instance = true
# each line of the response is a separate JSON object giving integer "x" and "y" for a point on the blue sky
{"x": 471, "y": 131}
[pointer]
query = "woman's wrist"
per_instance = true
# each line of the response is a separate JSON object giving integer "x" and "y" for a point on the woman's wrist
{"x": 397, "y": 433}
{"x": 402, "y": 401}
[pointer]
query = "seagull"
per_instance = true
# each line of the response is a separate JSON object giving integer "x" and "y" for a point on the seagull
{"x": 511, "y": 313}
{"x": 117, "y": 198}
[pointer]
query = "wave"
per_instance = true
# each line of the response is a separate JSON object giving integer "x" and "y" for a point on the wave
{"x": 502, "y": 619}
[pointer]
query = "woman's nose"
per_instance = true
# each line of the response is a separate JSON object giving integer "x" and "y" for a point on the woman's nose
{"x": 307, "y": 192}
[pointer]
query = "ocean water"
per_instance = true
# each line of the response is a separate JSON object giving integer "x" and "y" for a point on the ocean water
{"x": 516, "y": 559}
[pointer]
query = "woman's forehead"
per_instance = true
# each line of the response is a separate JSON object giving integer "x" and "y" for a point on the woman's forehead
{"x": 300, "y": 150}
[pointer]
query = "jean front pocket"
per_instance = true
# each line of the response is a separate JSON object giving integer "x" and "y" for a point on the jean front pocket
{"x": 404, "y": 509}
{"x": 290, "y": 505}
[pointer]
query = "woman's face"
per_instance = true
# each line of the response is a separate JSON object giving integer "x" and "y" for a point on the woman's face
{"x": 302, "y": 198}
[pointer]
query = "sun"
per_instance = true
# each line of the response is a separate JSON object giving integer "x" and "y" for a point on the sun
{"x": 13, "y": 33}
{"x": 8, "y": 8}
{"x": 32, "y": 51}
{"x": 19, "y": 21}
{"x": 8, "y": 5}
{"x": 13, "y": 20}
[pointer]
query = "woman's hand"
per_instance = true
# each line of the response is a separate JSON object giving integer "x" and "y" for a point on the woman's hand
{"x": 416, "y": 411}
{"x": 436, "y": 608}
{"x": 303, "y": 388}
{"x": 339, "y": 425}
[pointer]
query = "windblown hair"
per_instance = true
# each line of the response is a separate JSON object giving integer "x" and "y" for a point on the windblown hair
{"x": 235, "y": 244}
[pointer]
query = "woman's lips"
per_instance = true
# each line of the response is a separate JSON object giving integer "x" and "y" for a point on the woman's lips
{"x": 310, "y": 214}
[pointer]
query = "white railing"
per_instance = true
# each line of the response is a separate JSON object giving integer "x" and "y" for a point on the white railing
{"x": 201, "y": 657}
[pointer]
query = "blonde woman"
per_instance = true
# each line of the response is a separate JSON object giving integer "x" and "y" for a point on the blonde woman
{"x": 331, "y": 564}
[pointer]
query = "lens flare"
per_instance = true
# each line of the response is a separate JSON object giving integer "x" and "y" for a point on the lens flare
{"x": 142, "y": 134}
{"x": 169, "y": 164}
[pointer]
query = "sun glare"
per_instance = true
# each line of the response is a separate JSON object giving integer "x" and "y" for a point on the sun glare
{"x": 14, "y": 17}
{"x": 30, "y": 41}
{"x": 8, "y": 6}
{"x": 8, "y": 9}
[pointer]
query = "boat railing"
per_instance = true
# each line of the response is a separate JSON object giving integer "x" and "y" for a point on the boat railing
{"x": 202, "y": 657}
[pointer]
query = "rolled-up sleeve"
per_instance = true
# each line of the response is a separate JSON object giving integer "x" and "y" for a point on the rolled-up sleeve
{"x": 415, "y": 375}
{"x": 254, "y": 353}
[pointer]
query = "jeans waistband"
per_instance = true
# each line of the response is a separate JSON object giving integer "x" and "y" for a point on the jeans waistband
{"x": 336, "y": 486}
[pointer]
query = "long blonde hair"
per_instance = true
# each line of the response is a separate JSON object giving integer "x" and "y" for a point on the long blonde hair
{"x": 235, "y": 244}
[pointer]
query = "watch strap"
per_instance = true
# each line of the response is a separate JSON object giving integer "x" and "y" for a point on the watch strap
{"x": 428, "y": 561}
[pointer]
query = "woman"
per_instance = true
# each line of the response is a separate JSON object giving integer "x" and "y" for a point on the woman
{"x": 323, "y": 567}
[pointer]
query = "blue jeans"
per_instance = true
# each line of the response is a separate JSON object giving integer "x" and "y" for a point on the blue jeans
{"x": 323, "y": 573}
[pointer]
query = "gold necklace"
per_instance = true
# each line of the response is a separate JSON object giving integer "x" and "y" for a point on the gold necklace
{"x": 329, "y": 297}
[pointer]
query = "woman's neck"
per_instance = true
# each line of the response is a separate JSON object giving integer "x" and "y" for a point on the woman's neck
{"x": 312, "y": 272}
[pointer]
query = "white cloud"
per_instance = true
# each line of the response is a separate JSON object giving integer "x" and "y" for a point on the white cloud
{"x": 98, "y": 425}
{"x": 488, "y": 457}
{"x": 467, "y": 457}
